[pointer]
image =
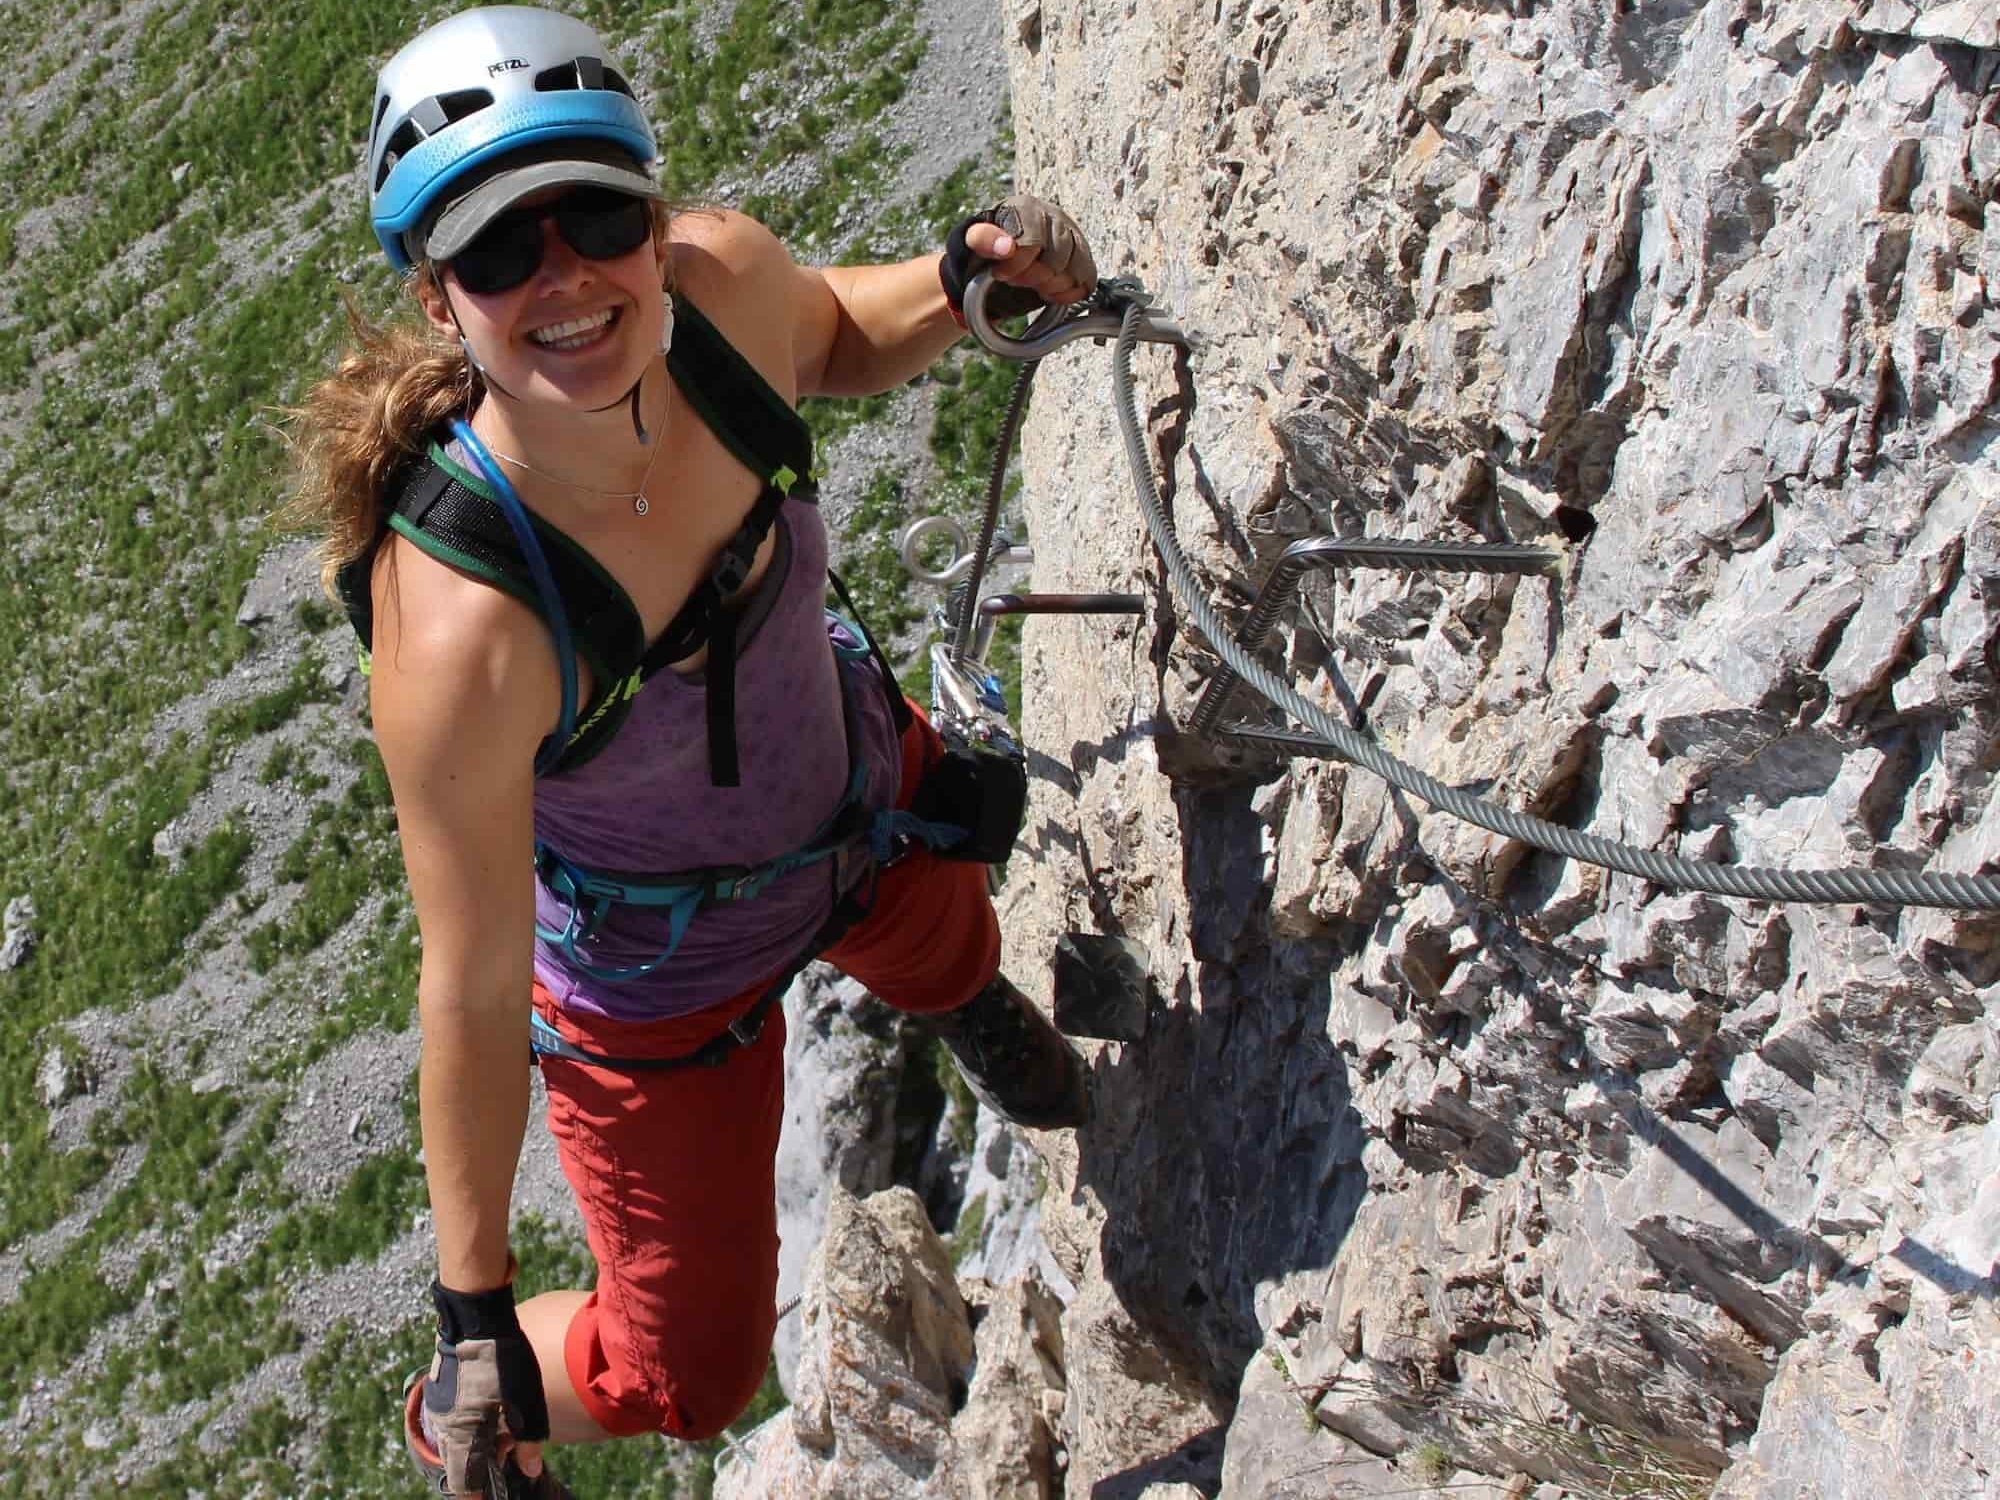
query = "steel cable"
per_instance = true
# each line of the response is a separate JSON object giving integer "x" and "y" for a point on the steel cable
{"x": 964, "y": 605}
{"x": 1903, "y": 888}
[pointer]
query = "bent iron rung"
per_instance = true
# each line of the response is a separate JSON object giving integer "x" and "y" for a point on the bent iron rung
{"x": 1335, "y": 552}
{"x": 993, "y": 606}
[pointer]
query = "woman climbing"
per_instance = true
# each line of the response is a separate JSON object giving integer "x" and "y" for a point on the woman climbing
{"x": 640, "y": 775}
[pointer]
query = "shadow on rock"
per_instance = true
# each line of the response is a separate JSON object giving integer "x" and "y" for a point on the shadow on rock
{"x": 1225, "y": 1151}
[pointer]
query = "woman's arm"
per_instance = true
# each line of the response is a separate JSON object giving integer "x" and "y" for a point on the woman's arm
{"x": 461, "y": 693}
{"x": 870, "y": 328}
{"x": 865, "y": 329}
{"x": 848, "y": 330}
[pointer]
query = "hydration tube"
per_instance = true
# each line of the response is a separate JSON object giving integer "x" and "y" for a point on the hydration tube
{"x": 545, "y": 585}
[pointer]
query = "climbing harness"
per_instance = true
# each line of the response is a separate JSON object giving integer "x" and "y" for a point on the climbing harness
{"x": 544, "y": 1040}
{"x": 1122, "y": 307}
{"x": 590, "y": 894}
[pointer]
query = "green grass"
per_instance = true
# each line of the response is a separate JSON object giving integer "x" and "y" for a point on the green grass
{"x": 966, "y": 1233}
{"x": 220, "y": 1321}
{"x": 829, "y": 67}
{"x": 380, "y": 994}
{"x": 1430, "y": 1463}
{"x": 347, "y": 852}
{"x": 966, "y": 429}
{"x": 961, "y": 1106}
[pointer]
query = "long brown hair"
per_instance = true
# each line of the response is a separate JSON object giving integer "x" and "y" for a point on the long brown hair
{"x": 397, "y": 382}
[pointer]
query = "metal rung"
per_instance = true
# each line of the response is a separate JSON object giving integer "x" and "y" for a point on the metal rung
{"x": 1291, "y": 741}
{"x": 1337, "y": 552}
{"x": 993, "y": 606}
{"x": 1063, "y": 604}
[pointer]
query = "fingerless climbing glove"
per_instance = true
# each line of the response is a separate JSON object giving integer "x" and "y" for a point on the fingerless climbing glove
{"x": 1029, "y": 221}
{"x": 484, "y": 1381}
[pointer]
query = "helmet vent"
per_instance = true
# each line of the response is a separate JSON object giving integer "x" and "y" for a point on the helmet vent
{"x": 582, "y": 73}
{"x": 406, "y": 139}
{"x": 458, "y": 105}
{"x": 381, "y": 111}
{"x": 425, "y": 120}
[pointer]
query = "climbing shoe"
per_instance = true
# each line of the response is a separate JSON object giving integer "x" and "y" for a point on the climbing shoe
{"x": 1014, "y": 1059}
{"x": 505, "y": 1483}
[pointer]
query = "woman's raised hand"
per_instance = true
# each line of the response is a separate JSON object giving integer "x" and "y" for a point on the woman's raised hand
{"x": 1030, "y": 246}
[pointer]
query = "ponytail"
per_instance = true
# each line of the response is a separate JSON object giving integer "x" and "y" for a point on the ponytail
{"x": 396, "y": 383}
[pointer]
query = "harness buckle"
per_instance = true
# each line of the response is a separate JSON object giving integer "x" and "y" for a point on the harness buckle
{"x": 732, "y": 567}
{"x": 734, "y": 885}
{"x": 747, "y": 1027}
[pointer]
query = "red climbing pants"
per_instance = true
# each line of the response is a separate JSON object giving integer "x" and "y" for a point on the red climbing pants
{"x": 675, "y": 1171}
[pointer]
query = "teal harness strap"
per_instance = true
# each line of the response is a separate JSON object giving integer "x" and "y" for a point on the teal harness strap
{"x": 590, "y": 894}
{"x": 545, "y": 1041}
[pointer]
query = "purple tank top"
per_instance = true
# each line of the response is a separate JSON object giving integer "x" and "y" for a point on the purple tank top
{"x": 645, "y": 804}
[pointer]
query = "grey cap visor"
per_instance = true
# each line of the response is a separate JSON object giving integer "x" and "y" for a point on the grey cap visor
{"x": 460, "y": 224}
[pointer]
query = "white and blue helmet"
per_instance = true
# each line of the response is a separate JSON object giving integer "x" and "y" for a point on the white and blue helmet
{"x": 481, "y": 86}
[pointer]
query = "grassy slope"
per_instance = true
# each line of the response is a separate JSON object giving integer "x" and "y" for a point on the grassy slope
{"x": 181, "y": 210}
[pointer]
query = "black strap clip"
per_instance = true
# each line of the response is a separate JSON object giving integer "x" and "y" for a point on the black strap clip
{"x": 739, "y": 554}
{"x": 747, "y": 1027}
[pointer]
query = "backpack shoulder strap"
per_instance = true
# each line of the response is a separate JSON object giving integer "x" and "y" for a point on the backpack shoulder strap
{"x": 738, "y": 405}
{"x": 449, "y": 514}
{"x": 773, "y": 442}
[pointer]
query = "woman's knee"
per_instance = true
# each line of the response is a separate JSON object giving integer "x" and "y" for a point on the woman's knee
{"x": 689, "y": 1378}
{"x": 707, "y": 1403}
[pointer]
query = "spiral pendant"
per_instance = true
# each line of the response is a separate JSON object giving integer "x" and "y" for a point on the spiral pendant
{"x": 639, "y": 505}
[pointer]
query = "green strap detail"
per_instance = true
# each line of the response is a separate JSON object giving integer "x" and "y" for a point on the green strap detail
{"x": 516, "y": 584}
{"x": 735, "y": 402}
{"x": 552, "y": 536}
{"x": 436, "y": 546}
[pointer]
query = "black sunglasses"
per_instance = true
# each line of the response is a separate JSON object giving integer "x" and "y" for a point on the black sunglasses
{"x": 597, "y": 223}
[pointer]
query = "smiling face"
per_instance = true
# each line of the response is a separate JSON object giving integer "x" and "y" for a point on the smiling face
{"x": 577, "y": 332}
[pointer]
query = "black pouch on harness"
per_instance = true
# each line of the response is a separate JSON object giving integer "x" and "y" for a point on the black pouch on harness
{"x": 980, "y": 790}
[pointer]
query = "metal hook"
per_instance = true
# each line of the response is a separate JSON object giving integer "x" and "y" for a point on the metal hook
{"x": 918, "y": 533}
{"x": 1097, "y": 317}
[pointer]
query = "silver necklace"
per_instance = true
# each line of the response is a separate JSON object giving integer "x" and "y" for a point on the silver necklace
{"x": 640, "y": 505}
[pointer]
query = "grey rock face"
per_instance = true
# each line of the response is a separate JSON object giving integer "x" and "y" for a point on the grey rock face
{"x": 841, "y": 1066}
{"x": 63, "y": 1074}
{"x": 896, "y": 1395}
{"x": 1007, "y": 1429}
{"x": 18, "y": 935}
{"x": 999, "y": 1220}
{"x": 1493, "y": 1147}
{"x": 886, "y": 1359}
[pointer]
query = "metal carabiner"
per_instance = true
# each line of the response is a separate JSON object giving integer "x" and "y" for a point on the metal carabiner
{"x": 1098, "y": 316}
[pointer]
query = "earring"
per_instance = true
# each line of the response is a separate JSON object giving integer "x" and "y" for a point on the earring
{"x": 667, "y": 323}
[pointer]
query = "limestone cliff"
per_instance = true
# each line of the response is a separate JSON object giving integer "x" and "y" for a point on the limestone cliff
{"x": 1442, "y": 1131}
{"x": 1483, "y": 1158}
